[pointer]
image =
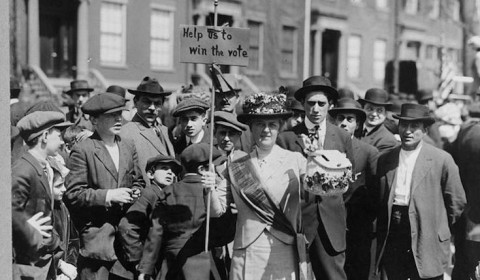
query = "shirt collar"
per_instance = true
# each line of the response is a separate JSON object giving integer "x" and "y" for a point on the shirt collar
{"x": 416, "y": 151}
{"x": 310, "y": 125}
{"x": 197, "y": 138}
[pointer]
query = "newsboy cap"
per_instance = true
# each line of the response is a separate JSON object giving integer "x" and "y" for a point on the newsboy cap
{"x": 150, "y": 86}
{"x": 197, "y": 154}
{"x": 34, "y": 124}
{"x": 229, "y": 120}
{"x": 162, "y": 159}
{"x": 190, "y": 104}
{"x": 104, "y": 103}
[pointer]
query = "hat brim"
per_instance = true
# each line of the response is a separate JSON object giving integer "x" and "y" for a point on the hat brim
{"x": 135, "y": 92}
{"x": 247, "y": 118}
{"x": 231, "y": 125}
{"x": 69, "y": 92}
{"x": 60, "y": 126}
{"x": 363, "y": 101}
{"x": 335, "y": 111}
{"x": 426, "y": 120}
{"x": 113, "y": 110}
{"x": 300, "y": 94}
{"x": 177, "y": 168}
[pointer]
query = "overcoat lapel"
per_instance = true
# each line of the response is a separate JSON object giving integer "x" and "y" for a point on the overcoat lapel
{"x": 330, "y": 138}
{"x": 391, "y": 167}
{"x": 422, "y": 166}
{"x": 41, "y": 174}
{"x": 150, "y": 135}
{"x": 123, "y": 164}
{"x": 104, "y": 157}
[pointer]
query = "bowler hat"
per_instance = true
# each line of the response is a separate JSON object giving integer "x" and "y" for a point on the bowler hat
{"x": 36, "y": 123}
{"x": 375, "y": 96}
{"x": 345, "y": 93}
{"x": 228, "y": 119}
{"x": 424, "y": 95}
{"x": 348, "y": 105}
{"x": 188, "y": 104}
{"x": 78, "y": 85}
{"x": 196, "y": 154}
{"x": 415, "y": 112}
{"x": 175, "y": 164}
{"x": 104, "y": 103}
{"x": 317, "y": 83}
{"x": 264, "y": 106}
{"x": 293, "y": 104}
{"x": 118, "y": 90}
{"x": 150, "y": 86}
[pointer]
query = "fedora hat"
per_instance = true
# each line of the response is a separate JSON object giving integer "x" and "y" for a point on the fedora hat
{"x": 424, "y": 95}
{"x": 415, "y": 112}
{"x": 348, "y": 105}
{"x": 375, "y": 96}
{"x": 317, "y": 83}
{"x": 78, "y": 85}
{"x": 264, "y": 106}
{"x": 150, "y": 86}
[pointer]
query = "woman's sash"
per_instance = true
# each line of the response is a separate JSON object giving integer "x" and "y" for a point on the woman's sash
{"x": 244, "y": 175}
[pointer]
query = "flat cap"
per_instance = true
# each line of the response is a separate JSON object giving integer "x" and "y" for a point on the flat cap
{"x": 198, "y": 154}
{"x": 162, "y": 159}
{"x": 190, "y": 104}
{"x": 104, "y": 103}
{"x": 36, "y": 123}
{"x": 228, "y": 119}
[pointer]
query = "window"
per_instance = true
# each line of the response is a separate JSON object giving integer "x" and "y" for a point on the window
{"x": 289, "y": 50}
{"x": 455, "y": 10}
{"x": 112, "y": 33}
{"x": 379, "y": 58}
{"x": 411, "y": 7}
{"x": 435, "y": 9}
{"x": 353, "y": 59}
{"x": 256, "y": 45}
{"x": 382, "y": 4}
{"x": 161, "y": 39}
{"x": 412, "y": 50}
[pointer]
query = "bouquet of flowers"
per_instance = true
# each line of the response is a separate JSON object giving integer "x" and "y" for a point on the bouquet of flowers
{"x": 262, "y": 103}
{"x": 329, "y": 173}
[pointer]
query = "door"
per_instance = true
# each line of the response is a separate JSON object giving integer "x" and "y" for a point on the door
{"x": 330, "y": 51}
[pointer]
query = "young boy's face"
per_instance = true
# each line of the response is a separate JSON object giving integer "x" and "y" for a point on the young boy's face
{"x": 58, "y": 187}
{"x": 162, "y": 174}
{"x": 109, "y": 123}
{"x": 54, "y": 141}
{"x": 192, "y": 122}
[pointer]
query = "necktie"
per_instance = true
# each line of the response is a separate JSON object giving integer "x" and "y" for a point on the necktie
{"x": 314, "y": 137}
{"x": 364, "y": 132}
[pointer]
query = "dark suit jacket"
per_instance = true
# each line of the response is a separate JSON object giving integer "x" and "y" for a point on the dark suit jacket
{"x": 466, "y": 152}
{"x": 330, "y": 211}
{"x": 381, "y": 138}
{"x": 180, "y": 143}
{"x": 31, "y": 194}
{"x": 437, "y": 200}
{"x": 147, "y": 143}
{"x": 92, "y": 174}
{"x": 174, "y": 220}
{"x": 79, "y": 119}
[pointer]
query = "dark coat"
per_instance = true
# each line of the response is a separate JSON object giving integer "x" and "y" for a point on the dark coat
{"x": 180, "y": 143}
{"x": 80, "y": 119}
{"x": 437, "y": 200}
{"x": 147, "y": 143}
{"x": 381, "y": 138}
{"x": 92, "y": 174}
{"x": 174, "y": 220}
{"x": 330, "y": 211}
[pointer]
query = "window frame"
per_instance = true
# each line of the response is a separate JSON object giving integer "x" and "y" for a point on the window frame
{"x": 294, "y": 70}
{"x": 123, "y": 61}
{"x": 350, "y": 56}
{"x": 171, "y": 10}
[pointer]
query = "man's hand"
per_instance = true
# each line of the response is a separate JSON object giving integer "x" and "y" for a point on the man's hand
{"x": 39, "y": 223}
{"x": 208, "y": 180}
{"x": 69, "y": 270}
{"x": 120, "y": 195}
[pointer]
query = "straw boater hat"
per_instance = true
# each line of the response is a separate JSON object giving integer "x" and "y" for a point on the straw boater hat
{"x": 150, "y": 86}
{"x": 415, "y": 112}
{"x": 317, "y": 83}
{"x": 348, "y": 105}
{"x": 376, "y": 96}
{"x": 78, "y": 85}
{"x": 264, "y": 106}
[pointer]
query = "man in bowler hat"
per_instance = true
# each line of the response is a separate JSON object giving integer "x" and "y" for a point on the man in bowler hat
{"x": 324, "y": 218}
{"x": 375, "y": 105}
{"x": 104, "y": 180}
{"x": 348, "y": 114}
{"x": 420, "y": 199}
{"x": 79, "y": 92}
{"x": 149, "y": 136}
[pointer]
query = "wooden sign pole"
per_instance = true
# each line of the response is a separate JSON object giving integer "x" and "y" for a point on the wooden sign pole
{"x": 210, "y": 160}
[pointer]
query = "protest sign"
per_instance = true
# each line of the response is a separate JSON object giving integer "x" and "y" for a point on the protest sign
{"x": 208, "y": 44}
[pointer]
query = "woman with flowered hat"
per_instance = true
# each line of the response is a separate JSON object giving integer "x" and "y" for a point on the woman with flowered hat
{"x": 265, "y": 187}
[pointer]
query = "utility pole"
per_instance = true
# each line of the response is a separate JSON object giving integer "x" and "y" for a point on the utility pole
{"x": 396, "y": 46}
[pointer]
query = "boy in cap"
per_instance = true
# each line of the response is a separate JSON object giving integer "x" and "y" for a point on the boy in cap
{"x": 192, "y": 115}
{"x": 149, "y": 136}
{"x": 79, "y": 92}
{"x": 104, "y": 179}
{"x": 136, "y": 227}
{"x": 179, "y": 215}
{"x": 32, "y": 184}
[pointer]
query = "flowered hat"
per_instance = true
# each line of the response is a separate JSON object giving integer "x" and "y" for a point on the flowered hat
{"x": 263, "y": 105}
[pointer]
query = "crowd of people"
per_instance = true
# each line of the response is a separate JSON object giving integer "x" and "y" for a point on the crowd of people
{"x": 96, "y": 195}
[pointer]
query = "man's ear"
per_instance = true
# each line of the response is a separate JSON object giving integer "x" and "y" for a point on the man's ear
{"x": 44, "y": 136}
{"x": 150, "y": 174}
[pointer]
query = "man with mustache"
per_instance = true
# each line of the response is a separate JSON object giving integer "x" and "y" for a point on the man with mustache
{"x": 375, "y": 105}
{"x": 149, "y": 136}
